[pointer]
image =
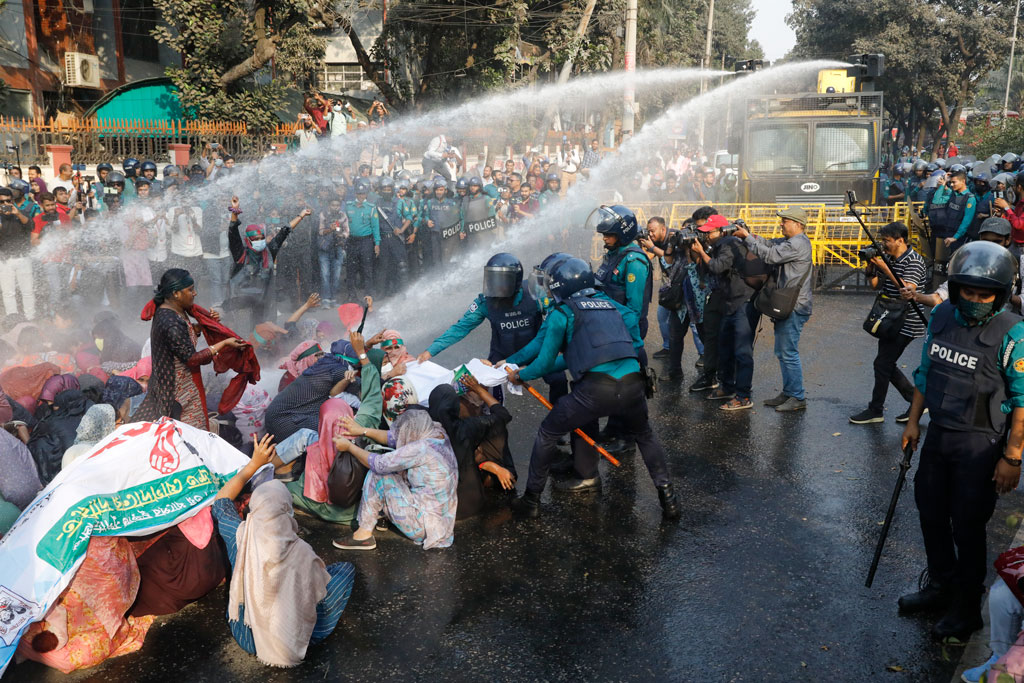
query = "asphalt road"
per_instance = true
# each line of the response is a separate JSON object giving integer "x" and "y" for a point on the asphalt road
{"x": 761, "y": 580}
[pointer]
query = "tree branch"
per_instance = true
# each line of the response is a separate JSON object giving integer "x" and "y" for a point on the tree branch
{"x": 262, "y": 53}
{"x": 378, "y": 76}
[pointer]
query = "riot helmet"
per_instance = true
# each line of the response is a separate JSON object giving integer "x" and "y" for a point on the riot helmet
{"x": 147, "y": 166}
{"x": 614, "y": 220}
{"x": 542, "y": 272}
{"x": 957, "y": 168}
{"x": 932, "y": 168}
{"x": 985, "y": 265}
{"x": 19, "y": 185}
{"x": 941, "y": 163}
{"x": 475, "y": 180}
{"x": 503, "y": 276}
{"x": 170, "y": 170}
{"x": 920, "y": 165}
{"x": 461, "y": 184}
{"x": 103, "y": 167}
{"x": 115, "y": 178}
{"x": 361, "y": 186}
{"x": 570, "y": 277}
{"x": 130, "y": 165}
{"x": 387, "y": 185}
{"x": 1009, "y": 158}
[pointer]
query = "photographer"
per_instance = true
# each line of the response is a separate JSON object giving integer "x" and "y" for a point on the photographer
{"x": 708, "y": 308}
{"x": 736, "y": 333}
{"x": 340, "y": 116}
{"x": 666, "y": 247}
{"x": 909, "y": 266}
{"x": 15, "y": 266}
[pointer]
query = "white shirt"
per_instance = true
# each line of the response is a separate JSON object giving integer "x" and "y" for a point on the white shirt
{"x": 436, "y": 149}
{"x": 184, "y": 228}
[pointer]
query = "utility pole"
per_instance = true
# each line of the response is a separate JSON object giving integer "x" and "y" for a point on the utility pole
{"x": 706, "y": 62}
{"x": 1009, "y": 69}
{"x": 628, "y": 99}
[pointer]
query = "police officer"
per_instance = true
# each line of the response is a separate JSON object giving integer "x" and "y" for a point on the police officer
{"x": 599, "y": 340}
{"x": 443, "y": 225}
{"x": 363, "y": 240}
{"x": 625, "y": 271}
{"x": 477, "y": 213}
{"x": 147, "y": 170}
{"x": 916, "y": 182}
{"x": 972, "y": 370}
{"x": 408, "y": 207}
{"x": 515, "y": 316}
{"x": 130, "y": 168}
{"x": 552, "y": 189}
{"x": 393, "y": 270}
{"x": 951, "y": 211}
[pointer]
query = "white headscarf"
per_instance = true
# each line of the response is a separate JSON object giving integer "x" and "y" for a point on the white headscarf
{"x": 278, "y": 577}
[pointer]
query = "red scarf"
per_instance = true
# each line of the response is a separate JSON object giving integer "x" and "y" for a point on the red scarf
{"x": 243, "y": 360}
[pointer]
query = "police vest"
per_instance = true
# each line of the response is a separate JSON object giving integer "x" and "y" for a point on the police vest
{"x": 390, "y": 219}
{"x": 946, "y": 219}
{"x": 613, "y": 281}
{"x": 965, "y": 384}
{"x": 599, "y": 335}
{"x": 513, "y": 326}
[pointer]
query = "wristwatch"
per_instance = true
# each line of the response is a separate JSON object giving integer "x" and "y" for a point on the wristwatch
{"x": 362, "y": 356}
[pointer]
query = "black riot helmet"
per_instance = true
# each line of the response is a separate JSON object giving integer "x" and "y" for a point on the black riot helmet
{"x": 920, "y": 165}
{"x": 542, "y": 272}
{"x": 387, "y": 185}
{"x": 614, "y": 220}
{"x": 503, "y": 275}
{"x": 461, "y": 184}
{"x": 569, "y": 277}
{"x": 985, "y": 265}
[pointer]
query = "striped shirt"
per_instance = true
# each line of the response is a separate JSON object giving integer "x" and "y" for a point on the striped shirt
{"x": 910, "y": 267}
{"x": 328, "y": 610}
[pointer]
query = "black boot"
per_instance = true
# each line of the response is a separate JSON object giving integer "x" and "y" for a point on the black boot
{"x": 933, "y": 596}
{"x": 961, "y": 619}
{"x": 669, "y": 502}
{"x": 527, "y": 505}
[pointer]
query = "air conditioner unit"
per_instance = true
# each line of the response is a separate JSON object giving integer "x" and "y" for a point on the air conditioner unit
{"x": 81, "y": 70}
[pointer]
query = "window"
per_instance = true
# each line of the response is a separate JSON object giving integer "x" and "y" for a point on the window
{"x": 17, "y": 103}
{"x": 138, "y": 19}
{"x": 843, "y": 147}
{"x": 777, "y": 148}
{"x": 339, "y": 77}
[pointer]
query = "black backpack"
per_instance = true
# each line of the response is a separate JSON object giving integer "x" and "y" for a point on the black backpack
{"x": 671, "y": 294}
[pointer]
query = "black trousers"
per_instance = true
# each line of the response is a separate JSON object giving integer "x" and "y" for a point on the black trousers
{"x": 886, "y": 371}
{"x": 431, "y": 248}
{"x": 595, "y": 396}
{"x": 393, "y": 270}
{"x": 360, "y": 266}
{"x": 955, "y": 498}
{"x": 714, "y": 311}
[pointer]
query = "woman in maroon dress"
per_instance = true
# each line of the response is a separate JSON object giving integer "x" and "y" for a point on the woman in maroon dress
{"x": 176, "y": 385}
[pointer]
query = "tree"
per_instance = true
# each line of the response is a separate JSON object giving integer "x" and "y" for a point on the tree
{"x": 937, "y": 51}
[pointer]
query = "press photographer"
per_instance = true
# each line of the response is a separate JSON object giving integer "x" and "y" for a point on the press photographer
{"x": 891, "y": 319}
{"x": 15, "y": 264}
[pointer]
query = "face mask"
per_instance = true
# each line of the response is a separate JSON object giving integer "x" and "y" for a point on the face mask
{"x": 275, "y": 220}
{"x": 259, "y": 245}
{"x": 337, "y": 108}
{"x": 973, "y": 310}
{"x": 99, "y": 344}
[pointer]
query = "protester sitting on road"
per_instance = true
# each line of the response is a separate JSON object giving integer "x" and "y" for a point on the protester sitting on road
{"x": 413, "y": 486}
{"x": 301, "y": 358}
{"x": 19, "y": 479}
{"x": 1005, "y": 617}
{"x": 99, "y": 421}
{"x": 468, "y": 434}
{"x": 282, "y": 597}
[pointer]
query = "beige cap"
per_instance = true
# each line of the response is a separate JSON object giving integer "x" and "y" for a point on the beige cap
{"x": 794, "y": 213}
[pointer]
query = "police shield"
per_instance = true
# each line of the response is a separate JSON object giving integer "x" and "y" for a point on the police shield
{"x": 447, "y": 221}
{"x": 479, "y": 216}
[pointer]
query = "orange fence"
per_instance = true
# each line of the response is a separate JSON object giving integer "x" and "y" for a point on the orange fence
{"x": 113, "y": 140}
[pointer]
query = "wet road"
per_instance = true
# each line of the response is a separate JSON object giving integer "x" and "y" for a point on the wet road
{"x": 761, "y": 579}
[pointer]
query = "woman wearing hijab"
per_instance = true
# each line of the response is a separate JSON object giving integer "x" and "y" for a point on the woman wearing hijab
{"x": 414, "y": 486}
{"x": 468, "y": 436}
{"x": 281, "y": 597}
{"x": 399, "y": 358}
{"x": 140, "y": 372}
{"x": 99, "y": 421}
{"x": 117, "y": 352}
{"x": 118, "y": 392}
{"x": 19, "y": 479}
{"x": 175, "y": 387}
{"x": 301, "y": 358}
{"x": 51, "y": 388}
{"x": 56, "y": 432}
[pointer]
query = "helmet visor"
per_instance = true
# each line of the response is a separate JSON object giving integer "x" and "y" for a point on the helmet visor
{"x": 602, "y": 219}
{"x": 499, "y": 282}
{"x": 538, "y": 283}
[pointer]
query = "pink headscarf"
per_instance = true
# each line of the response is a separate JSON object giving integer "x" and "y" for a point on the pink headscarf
{"x": 86, "y": 360}
{"x": 320, "y": 456}
{"x": 328, "y": 329}
{"x": 396, "y": 354}
{"x": 293, "y": 364}
{"x": 144, "y": 368}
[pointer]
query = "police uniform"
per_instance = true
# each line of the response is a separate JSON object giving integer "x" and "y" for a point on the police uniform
{"x": 951, "y": 213}
{"x": 625, "y": 275}
{"x": 445, "y": 215}
{"x": 392, "y": 273}
{"x": 599, "y": 340}
{"x": 971, "y": 377}
{"x": 364, "y": 235}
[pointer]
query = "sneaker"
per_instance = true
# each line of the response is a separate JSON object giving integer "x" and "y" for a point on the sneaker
{"x": 720, "y": 394}
{"x": 905, "y": 415}
{"x": 350, "y": 543}
{"x": 672, "y": 377}
{"x": 704, "y": 383}
{"x": 791, "y": 405}
{"x": 382, "y": 524}
{"x": 700, "y": 361}
{"x": 777, "y": 401}
{"x": 660, "y": 353}
{"x": 866, "y": 417}
{"x": 974, "y": 675}
{"x": 737, "y": 404}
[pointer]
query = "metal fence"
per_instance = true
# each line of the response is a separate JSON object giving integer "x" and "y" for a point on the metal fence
{"x": 95, "y": 141}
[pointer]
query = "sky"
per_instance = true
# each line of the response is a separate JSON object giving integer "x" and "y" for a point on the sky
{"x": 770, "y": 27}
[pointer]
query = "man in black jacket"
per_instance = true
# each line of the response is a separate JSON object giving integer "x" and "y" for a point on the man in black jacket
{"x": 736, "y": 333}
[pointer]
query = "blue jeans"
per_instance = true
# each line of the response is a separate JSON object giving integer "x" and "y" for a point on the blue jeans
{"x": 787, "y": 341}
{"x": 663, "y": 325}
{"x": 736, "y": 350}
{"x": 330, "y": 271}
{"x": 295, "y": 445}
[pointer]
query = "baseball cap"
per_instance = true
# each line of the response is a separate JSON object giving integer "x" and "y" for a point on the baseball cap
{"x": 715, "y": 222}
{"x": 794, "y": 213}
{"x": 995, "y": 224}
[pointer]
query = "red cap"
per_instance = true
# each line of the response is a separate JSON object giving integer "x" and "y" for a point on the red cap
{"x": 714, "y": 223}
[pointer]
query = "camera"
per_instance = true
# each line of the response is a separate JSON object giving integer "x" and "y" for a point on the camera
{"x": 683, "y": 239}
{"x": 88, "y": 178}
{"x": 867, "y": 253}
{"x": 643, "y": 233}
{"x": 214, "y": 145}
{"x": 7, "y": 208}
